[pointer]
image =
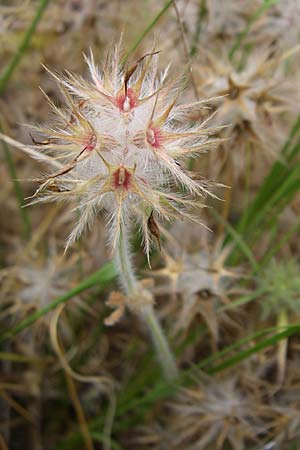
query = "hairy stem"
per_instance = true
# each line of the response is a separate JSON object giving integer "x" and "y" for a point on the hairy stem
{"x": 160, "y": 343}
{"x": 141, "y": 304}
{"x": 124, "y": 266}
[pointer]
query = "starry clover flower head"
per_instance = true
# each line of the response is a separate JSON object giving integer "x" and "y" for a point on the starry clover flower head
{"x": 119, "y": 147}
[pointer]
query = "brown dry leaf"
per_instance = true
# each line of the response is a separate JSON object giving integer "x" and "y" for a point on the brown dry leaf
{"x": 117, "y": 301}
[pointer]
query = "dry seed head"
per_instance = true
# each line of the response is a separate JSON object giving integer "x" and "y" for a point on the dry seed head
{"x": 119, "y": 148}
{"x": 226, "y": 22}
{"x": 281, "y": 24}
{"x": 255, "y": 104}
{"x": 221, "y": 413}
{"x": 201, "y": 281}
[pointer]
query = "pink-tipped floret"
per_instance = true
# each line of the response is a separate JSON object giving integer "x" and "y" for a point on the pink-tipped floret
{"x": 121, "y": 178}
{"x": 154, "y": 137}
{"x": 126, "y": 102}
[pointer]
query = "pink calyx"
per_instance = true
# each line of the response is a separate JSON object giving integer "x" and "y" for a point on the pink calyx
{"x": 121, "y": 178}
{"x": 126, "y": 102}
{"x": 90, "y": 142}
{"x": 154, "y": 137}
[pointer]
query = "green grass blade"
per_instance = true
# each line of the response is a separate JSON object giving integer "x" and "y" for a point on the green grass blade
{"x": 99, "y": 437}
{"x": 230, "y": 348}
{"x": 71, "y": 442}
{"x": 242, "y": 300}
{"x": 274, "y": 179}
{"x": 275, "y": 246}
{"x": 18, "y": 358}
{"x": 243, "y": 34}
{"x": 11, "y": 66}
{"x": 238, "y": 239}
{"x": 4, "y": 79}
{"x": 276, "y": 192}
{"x": 147, "y": 30}
{"x": 26, "y": 225}
{"x": 201, "y": 14}
{"x": 268, "y": 342}
{"x": 280, "y": 198}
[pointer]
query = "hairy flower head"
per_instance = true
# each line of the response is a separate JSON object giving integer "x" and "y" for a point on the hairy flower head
{"x": 199, "y": 278}
{"x": 119, "y": 147}
{"x": 224, "y": 413}
{"x": 255, "y": 102}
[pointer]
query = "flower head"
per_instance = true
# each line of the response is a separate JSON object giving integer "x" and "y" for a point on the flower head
{"x": 36, "y": 278}
{"x": 255, "y": 102}
{"x": 225, "y": 413}
{"x": 280, "y": 285}
{"x": 119, "y": 148}
{"x": 201, "y": 280}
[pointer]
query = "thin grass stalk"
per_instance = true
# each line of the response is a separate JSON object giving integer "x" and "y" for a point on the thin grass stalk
{"x": 4, "y": 79}
{"x": 276, "y": 245}
{"x": 79, "y": 413}
{"x": 26, "y": 224}
{"x": 282, "y": 321}
{"x": 274, "y": 178}
{"x": 147, "y": 30}
{"x": 11, "y": 66}
{"x": 186, "y": 51}
{"x": 195, "y": 41}
{"x": 243, "y": 34}
{"x": 3, "y": 445}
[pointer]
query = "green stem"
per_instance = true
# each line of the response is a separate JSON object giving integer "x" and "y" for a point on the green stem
{"x": 160, "y": 343}
{"x": 124, "y": 266}
{"x": 141, "y": 305}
